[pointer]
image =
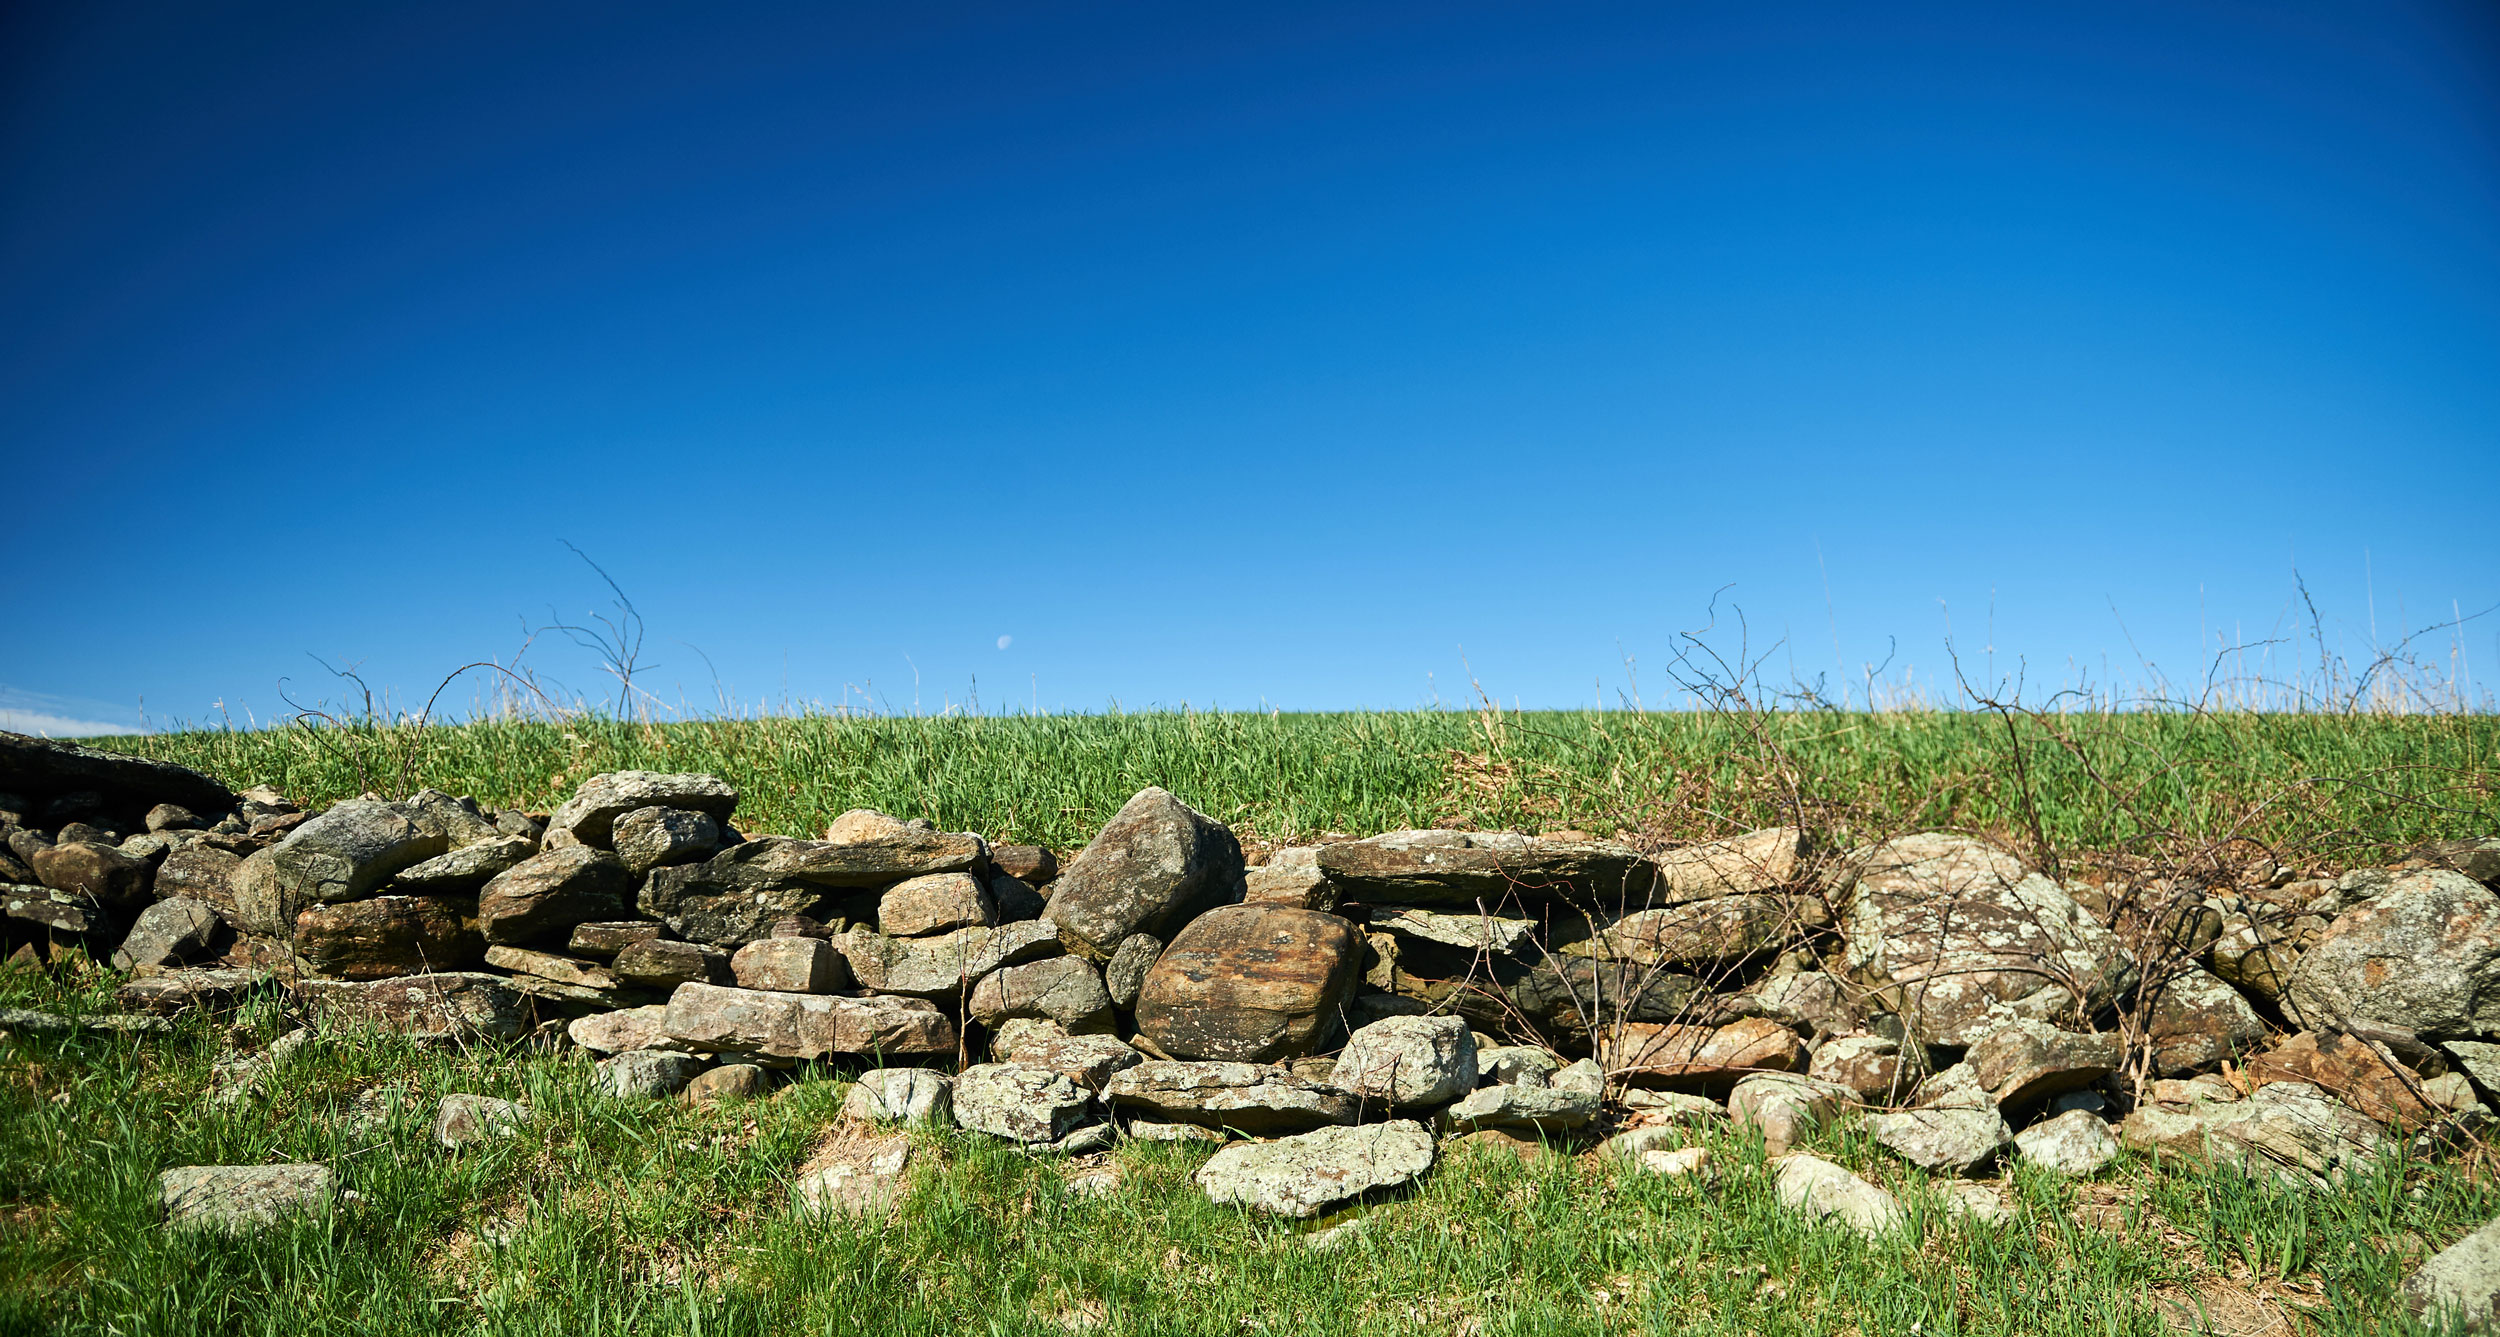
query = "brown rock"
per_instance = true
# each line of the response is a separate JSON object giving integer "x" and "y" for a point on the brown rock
{"x": 120, "y": 881}
{"x": 544, "y": 897}
{"x": 2354, "y": 1071}
{"x": 1157, "y": 865}
{"x": 657, "y": 963}
{"x": 1700, "y": 1057}
{"x": 937, "y": 903}
{"x": 1703, "y": 934}
{"x": 1030, "y": 864}
{"x": 2028, "y": 1061}
{"x": 791, "y": 965}
{"x": 387, "y": 936}
{"x": 941, "y": 967}
{"x": 549, "y": 966}
{"x": 1494, "y": 868}
{"x": 730, "y": 1081}
{"x": 1249, "y": 983}
{"x": 1291, "y": 877}
{"x": 605, "y": 940}
{"x": 1758, "y": 861}
{"x": 203, "y": 872}
{"x": 2197, "y": 1022}
{"x": 804, "y": 1026}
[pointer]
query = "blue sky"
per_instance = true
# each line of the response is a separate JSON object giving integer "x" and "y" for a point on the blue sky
{"x": 1293, "y": 356}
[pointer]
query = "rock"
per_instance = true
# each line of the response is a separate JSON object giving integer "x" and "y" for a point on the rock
{"x": 2197, "y": 1022}
{"x": 605, "y": 940}
{"x": 804, "y": 1026}
{"x": 1952, "y": 929}
{"x": 1253, "y": 1098}
{"x": 262, "y": 906}
{"x": 241, "y": 1197}
{"x": 28, "y": 1021}
{"x": 901, "y": 1095}
{"x": 1154, "y": 868}
{"x": 941, "y": 967}
{"x": 623, "y": 1030}
{"x": 459, "y": 821}
{"x": 1705, "y": 935}
{"x": 1021, "y": 1031}
{"x": 448, "y": 1005}
{"x": 1515, "y": 1065}
{"x": 1087, "y": 1060}
{"x": 544, "y": 896}
{"x": 120, "y": 881}
{"x": 1064, "y": 989}
{"x": 647, "y": 1074}
{"x": 648, "y": 838}
{"x": 1542, "y": 1109}
{"x": 1965, "y": 1200}
{"x": 1020, "y": 1103}
{"x": 67, "y": 913}
{"x": 1571, "y": 998}
{"x": 590, "y": 815}
{"x": 1298, "y": 1176}
{"x": 863, "y": 1177}
{"x": 388, "y": 935}
{"x": 167, "y": 933}
{"x": 1409, "y": 1062}
{"x": 2460, "y": 1285}
{"x": 1950, "y": 1140}
{"x": 936, "y": 903}
{"x": 201, "y": 872}
{"x": 2423, "y": 957}
{"x": 1758, "y": 861}
{"x": 2290, "y": 1132}
{"x": 1015, "y": 900}
{"x": 1700, "y": 1057}
{"x": 1785, "y": 1108}
{"x": 549, "y": 966}
{"x": 2024, "y": 1062}
{"x": 1583, "y": 1076}
{"x": 1149, "y": 1130}
{"x": 1290, "y": 878}
{"x": 462, "y": 1120}
{"x": 1031, "y": 865}
{"x": 1493, "y": 869}
{"x": 350, "y": 851}
{"x": 34, "y": 767}
{"x": 1246, "y": 983}
{"x": 730, "y": 1081}
{"x": 463, "y": 871}
{"x": 1124, "y": 975}
{"x": 1673, "y": 1107}
{"x": 658, "y": 963}
{"x": 2256, "y": 953}
{"x": 1468, "y": 933}
{"x": 2074, "y": 1143}
{"x": 737, "y": 895}
{"x": 206, "y": 988}
{"x": 1869, "y": 1065}
{"x": 2364, "y": 1076}
{"x": 791, "y": 965}
{"x": 1820, "y": 1190}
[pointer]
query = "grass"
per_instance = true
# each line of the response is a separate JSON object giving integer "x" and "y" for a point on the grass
{"x": 2345, "y": 787}
{"x": 657, "y": 1218}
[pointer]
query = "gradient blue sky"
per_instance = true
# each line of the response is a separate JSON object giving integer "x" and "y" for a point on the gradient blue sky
{"x": 1286, "y": 355}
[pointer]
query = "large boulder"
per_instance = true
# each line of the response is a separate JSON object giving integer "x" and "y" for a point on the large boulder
{"x": 2422, "y": 956}
{"x": 1255, "y": 1098}
{"x": 803, "y": 1026}
{"x": 942, "y": 967}
{"x": 1300, "y": 1175}
{"x": 350, "y": 851}
{"x": 1947, "y": 929}
{"x": 1489, "y": 869}
{"x": 388, "y": 935}
{"x": 590, "y": 815}
{"x": 449, "y": 1005}
{"x": 1409, "y": 1062}
{"x": 543, "y": 897}
{"x": 1156, "y": 866}
{"x": 1247, "y": 983}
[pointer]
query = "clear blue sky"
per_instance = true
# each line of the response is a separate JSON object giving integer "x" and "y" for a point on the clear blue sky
{"x": 1288, "y": 355}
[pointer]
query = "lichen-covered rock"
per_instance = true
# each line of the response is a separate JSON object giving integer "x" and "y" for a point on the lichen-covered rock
{"x": 1699, "y": 1057}
{"x": 803, "y": 1026}
{"x": 936, "y": 903}
{"x": 1816, "y": 1188}
{"x": 2256, "y": 951}
{"x": 649, "y": 838}
{"x": 590, "y": 815}
{"x": 730, "y": 1081}
{"x": 551, "y": 966}
{"x": 464, "y": 1120}
{"x": 866, "y": 1177}
{"x": 1408, "y": 1062}
{"x": 2021, "y": 1063}
{"x": 388, "y": 935}
{"x": 2290, "y": 1132}
{"x": 2368, "y": 1077}
{"x": 1870, "y": 1065}
{"x": 117, "y": 879}
{"x": 1572, "y": 998}
{"x": 942, "y": 967}
{"x": 605, "y": 940}
{"x": 1064, "y": 989}
{"x": 1248, "y": 983}
{"x": 1758, "y": 861}
{"x": 901, "y": 1095}
{"x": 1543, "y": 1109}
{"x": 541, "y": 898}
{"x": 1156, "y": 866}
{"x": 1491, "y": 868}
{"x": 791, "y": 965}
{"x": 1950, "y": 930}
{"x": 1950, "y": 1139}
{"x": 202, "y": 872}
{"x": 1711, "y": 934}
{"x": 1785, "y": 1107}
{"x": 661, "y": 963}
{"x": 1516, "y": 1065}
{"x": 1124, "y": 975}
{"x": 445, "y": 1005}
{"x": 167, "y": 933}
{"x": 464, "y": 870}
{"x": 2422, "y": 956}
{"x": 2197, "y": 1022}
{"x": 206, "y": 988}
{"x": 648, "y": 1074}
{"x": 2460, "y": 1284}
{"x": 240, "y": 1198}
{"x": 1087, "y": 1060}
{"x": 1020, "y": 1103}
{"x": 1255, "y": 1098}
{"x": 350, "y": 851}
{"x": 1290, "y": 877}
{"x": 2076, "y": 1143}
{"x": 1300, "y": 1175}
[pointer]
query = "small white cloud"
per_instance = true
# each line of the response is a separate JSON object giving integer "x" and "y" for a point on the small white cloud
{"x": 26, "y": 712}
{"x": 60, "y": 726}
{"x": 1005, "y": 641}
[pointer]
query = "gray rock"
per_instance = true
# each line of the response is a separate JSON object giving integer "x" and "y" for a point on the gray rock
{"x": 242, "y": 1197}
{"x": 449, "y": 1005}
{"x": 936, "y": 903}
{"x": 791, "y": 965}
{"x": 901, "y": 1095}
{"x": 648, "y": 1074}
{"x": 2460, "y": 1284}
{"x": 202, "y": 872}
{"x": 1125, "y": 974}
{"x": 1676, "y": 1107}
{"x": 1870, "y": 1065}
{"x": 605, "y": 940}
{"x": 623, "y": 1030}
{"x": 1951, "y": 1140}
{"x": 1254, "y": 1098}
{"x": 865, "y": 1177}
{"x": 2478, "y": 859}
{"x": 659, "y": 963}
{"x": 2022, "y": 1063}
{"x": 1087, "y": 1060}
{"x": 1301, "y": 1175}
{"x": 2290, "y": 1132}
{"x": 173, "y": 817}
{"x": 802, "y": 1026}
{"x": 1020, "y": 1103}
{"x": 1156, "y": 866}
{"x": 1582, "y": 1076}
{"x": 730, "y": 1081}
{"x": 2423, "y": 956}
{"x": 543, "y": 897}
{"x": 459, "y": 821}
{"x": 1541, "y": 1109}
{"x": 36, "y": 766}
{"x": 1956, "y": 930}
{"x": 166, "y": 933}
{"x": 590, "y": 815}
{"x": 2198, "y": 1022}
{"x": 1408, "y": 1062}
{"x": 649, "y": 838}
{"x": 181, "y": 989}
{"x": 942, "y": 967}
{"x": 2075, "y": 1143}
{"x": 1150, "y": 1130}
{"x": 1785, "y": 1107}
{"x": 1517, "y": 1065}
{"x": 1478, "y": 932}
{"x": 462, "y": 1120}
{"x": 1816, "y": 1188}
{"x": 350, "y": 851}
{"x": 1063, "y": 989}
{"x": 1015, "y": 899}
{"x": 463, "y": 871}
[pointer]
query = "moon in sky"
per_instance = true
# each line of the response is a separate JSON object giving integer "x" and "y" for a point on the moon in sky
{"x": 1003, "y": 641}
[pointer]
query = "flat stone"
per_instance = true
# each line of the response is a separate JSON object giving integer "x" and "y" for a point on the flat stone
{"x": 2367, "y": 1077}
{"x": 660, "y": 963}
{"x": 2022, "y": 1063}
{"x": 463, "y": 1120}
{"x": 1703, "y": 935}
{"x": 242, "y": 1198}
{"x": 1408, "y": 1062}
{"x": 446, "y": 1005}
{"x": 549, "y": 966}
{"x": 624, "y": 1029}
{"x": 1156, "y": 866}
{"x": 1087, "y": 1060}
{"x": 648, "y": 1074}
{"x": 1020, "y": 1103}
{"x": 2075, "y": 1143}
{"x": 590, "y": 815}
{"x": 935, "y": 903}
{"x": 1516, "y": 1065}
{"x": 1254, "y": 1098}
{"x": 942, "y": 967}
{"x": 167, "y": 933}
{"x": 1950, "y": 1140}
{"x": 901, "y": 1095}
{"x": 202, "y": 872}
{"x": 350, "y": 851}
{"x": 1299, "y": 1176}
{"x": 462, "y": 872}
{"x": 206, "y": 988}
{"x": 1248, "y": 983}
{"x": 543, "y": 897}
{"x": 803, "y": 1026}
{"x": 605, "y": 940}
{"x": 385, "y": 936}
{"x": 864, "y": 1177}
{"x": 1150, "y": 1130}
{"x": 1291, "y": 878}
{"x": 1700, "y": 1057}
{"x": 1542, "y": 1109}
{"x": 1816, "y": 1188}
{"x": 1673, "y": 1107}
{"x": 1492, "y": 869}
{"x": 38, "y": 767}
{"x": 1478, "y": 932}
{"x": 791, "y": 965}
{"x": 1064, "y": 989}
{"x": 1758, "y": 861}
